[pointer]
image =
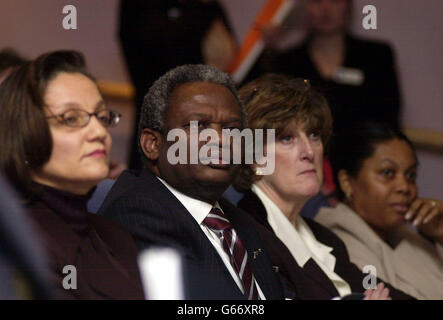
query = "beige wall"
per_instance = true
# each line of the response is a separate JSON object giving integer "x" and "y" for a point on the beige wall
{"x": 33, "y": 27}
{"x": 413, "y": 27}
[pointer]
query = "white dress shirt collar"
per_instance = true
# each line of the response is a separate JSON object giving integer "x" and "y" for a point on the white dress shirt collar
{"x": 197, "y": 208}
{"x": 301, "y": 242}
{"x": 283, "y": 228}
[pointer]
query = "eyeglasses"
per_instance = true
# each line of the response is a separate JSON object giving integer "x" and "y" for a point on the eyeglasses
{"x": 77, "y": 118}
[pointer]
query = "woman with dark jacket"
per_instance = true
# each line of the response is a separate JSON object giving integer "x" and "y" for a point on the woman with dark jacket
{"x": 55, "y": 149}
{"x": 357, "y": 76}
{"x": 302, "y": 122}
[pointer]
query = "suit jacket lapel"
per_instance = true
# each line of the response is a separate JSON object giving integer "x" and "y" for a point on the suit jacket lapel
{"x": 261, "y": 265}
{"x": 310, "y": 269}
{"x": 313, "y": 271}
{"x": 186, "y": 235}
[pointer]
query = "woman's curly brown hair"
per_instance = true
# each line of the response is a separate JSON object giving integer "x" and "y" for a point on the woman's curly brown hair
{"x": 274, "y": 101}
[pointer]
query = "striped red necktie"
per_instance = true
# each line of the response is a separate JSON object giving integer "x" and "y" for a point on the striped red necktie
{"x": 233, "y": 246}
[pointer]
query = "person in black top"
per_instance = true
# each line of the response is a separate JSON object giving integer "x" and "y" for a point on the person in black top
{"x": 158, "y": 35}
{"x": 55, "y": 149}
{"x": 358, "y": 77}
{"x": 302, "y": 122}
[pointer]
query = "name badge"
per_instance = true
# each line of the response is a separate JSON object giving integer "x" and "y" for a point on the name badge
{"x": 349, "y": 76}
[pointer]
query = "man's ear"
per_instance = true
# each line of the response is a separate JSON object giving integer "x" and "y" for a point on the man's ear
{"x": 344, "y": 181}
{"x": 150, "y": 141}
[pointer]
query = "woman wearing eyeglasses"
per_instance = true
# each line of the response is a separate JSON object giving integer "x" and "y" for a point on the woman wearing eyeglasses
{"x": 55, "y": 149}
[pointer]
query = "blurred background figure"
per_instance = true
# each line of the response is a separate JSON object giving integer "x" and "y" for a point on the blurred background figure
{"x": 23, "y": 273}
{"x": 158, "y": 35}
{"x": 380, "y": 217}
{"x": 358, "y": 77}
{"x": 9, "y": 61}
{"x": 55, "y": 149}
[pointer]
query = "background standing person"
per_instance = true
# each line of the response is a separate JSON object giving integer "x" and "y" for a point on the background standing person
{"x": 158, "y": 35}
{"x": 358, "y": 77}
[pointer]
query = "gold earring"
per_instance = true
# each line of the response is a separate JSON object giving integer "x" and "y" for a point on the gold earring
{"x": 349, "y": 197}
{"x": 258, "y": 172}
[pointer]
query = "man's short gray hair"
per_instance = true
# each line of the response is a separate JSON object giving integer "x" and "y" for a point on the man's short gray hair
{"x": 156, "y": 101}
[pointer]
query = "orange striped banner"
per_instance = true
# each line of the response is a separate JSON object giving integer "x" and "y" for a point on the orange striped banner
{"x": 272, "y": 12}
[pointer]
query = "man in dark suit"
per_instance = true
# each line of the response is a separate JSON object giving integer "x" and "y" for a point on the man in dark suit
{"x": 180, "y": 205}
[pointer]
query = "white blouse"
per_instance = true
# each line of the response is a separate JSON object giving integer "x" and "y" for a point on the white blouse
{"x": 301, "y": 242}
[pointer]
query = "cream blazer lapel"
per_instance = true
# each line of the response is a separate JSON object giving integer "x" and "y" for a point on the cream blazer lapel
{"x": 413, "y": 266}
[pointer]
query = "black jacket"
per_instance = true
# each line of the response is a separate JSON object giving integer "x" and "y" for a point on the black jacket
{"x": 377, "y": 99}
{"x": 310, "y": 282}
{"x": 154, "y": 217}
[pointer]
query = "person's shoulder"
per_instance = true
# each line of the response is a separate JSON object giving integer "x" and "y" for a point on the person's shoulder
{"x": 315, "y": 226}
{"x": 251, "y": 204}
{"x": 130, "y": 186}
{"x": 113, "y": 233}
{"x": 36, "y": 207}
{"x": 291, "y": 53}
{"x": 128, "y": 178}
{"x": 45, "y": 219}
{"x": 241, "y": 215}
{"x": 294, "y": 61}
{"x": 333, "y": 217}
{"x": 324, "y": 235}
{"x": 227, "y": 206}
{"x": 103, "y": 224}
{"x": 360, "y": 240}
{"x": 369, "y": 46}
{"x": 343, "y": 223}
